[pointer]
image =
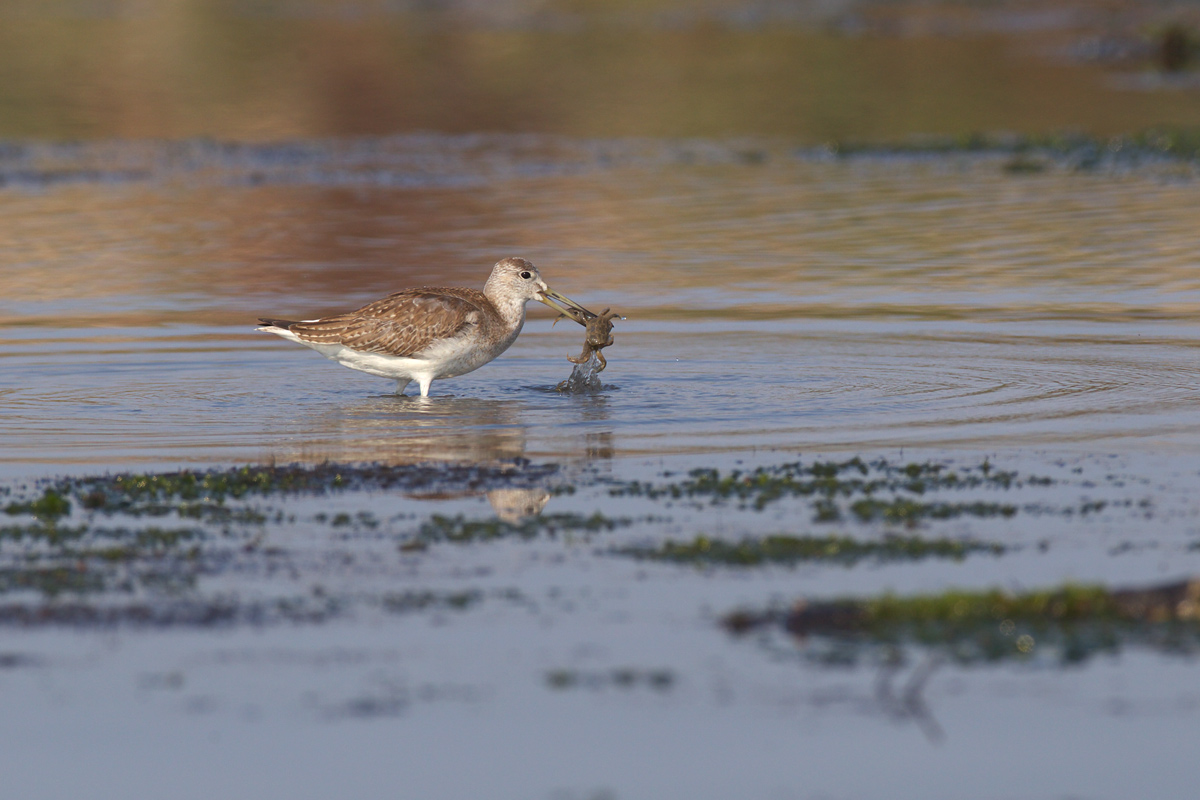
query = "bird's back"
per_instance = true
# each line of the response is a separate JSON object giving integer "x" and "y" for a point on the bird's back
{"x": 403, "y": 324}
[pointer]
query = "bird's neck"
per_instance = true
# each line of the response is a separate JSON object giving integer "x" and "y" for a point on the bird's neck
{"x": 510, "y": 307}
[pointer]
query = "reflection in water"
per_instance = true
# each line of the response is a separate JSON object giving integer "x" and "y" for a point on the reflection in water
{"x": 854, "y": 304}
{"x": 801, "y": 239}
{"x": 909, "y": 704}
{"x": 515, "y": 505}
{"x": 591, "y": 407}
{"x": 599, "y": 446}
{"x": 510, "y": 505}
{"x": 399, "y": 430}
{"x": 395, "y": 430}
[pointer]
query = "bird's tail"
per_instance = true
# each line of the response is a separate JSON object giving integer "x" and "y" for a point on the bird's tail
{"x": 277, "y": 323}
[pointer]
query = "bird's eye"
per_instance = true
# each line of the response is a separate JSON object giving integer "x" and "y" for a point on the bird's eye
{"x": 526, "y": 274}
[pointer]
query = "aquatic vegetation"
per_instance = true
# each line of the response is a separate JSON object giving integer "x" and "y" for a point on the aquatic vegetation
{"x": 440, "y": 528}
{"x": 49, "y": 532}
{"x": 213, "y": 612}
{"x": 52, "y": 581}
{"x": 198, "y": 491}
{"x": 781, "y": 549}
{"x": 51, "y": 506}
{"x": 827, "y": 481}
{"x": 140, "y": 548}
{"x": 902, "y": 510}
{"x": 48, "y": 558}
{"x": 1069, "y": 624}
{"x": 56, "y": 553}
{"x": 66, "y": 541}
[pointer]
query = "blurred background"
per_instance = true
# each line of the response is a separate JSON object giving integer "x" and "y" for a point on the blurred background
{"x": 809, "y": 70}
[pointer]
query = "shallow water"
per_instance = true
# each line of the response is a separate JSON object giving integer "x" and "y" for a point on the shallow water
{"x": 495, "y": 617}
{"x": 908, "y": 307}
{"x": 804, "y": 303}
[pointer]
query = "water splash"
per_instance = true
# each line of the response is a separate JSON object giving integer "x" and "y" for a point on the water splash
{"x": 585, "y": 377}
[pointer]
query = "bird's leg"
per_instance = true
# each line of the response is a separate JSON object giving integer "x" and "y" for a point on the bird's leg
{"x": 425, "y": 380}
{"x": 400, "y": 385}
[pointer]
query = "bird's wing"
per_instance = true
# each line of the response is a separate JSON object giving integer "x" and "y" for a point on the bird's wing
{"x": 401, "y": 324}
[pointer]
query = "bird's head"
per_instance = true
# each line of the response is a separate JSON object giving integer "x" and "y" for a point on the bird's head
{"x": 516, "y": 278}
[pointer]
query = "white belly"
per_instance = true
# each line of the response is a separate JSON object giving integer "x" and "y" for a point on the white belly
{"x": 445, "y": 359}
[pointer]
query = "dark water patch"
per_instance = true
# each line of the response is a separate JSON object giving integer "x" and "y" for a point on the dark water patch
{"x": 43, "y": 179}
{"x": 782, "y": 549}
{"x": 53, "y": 581}
{"x": 622, "y": 678}
{"x": 148, "y": 538}
{"x": 219, "y": 612}
{"x": 19, "y": 660}
{"x": 1036, "y": 153}
{"x": 435, "y": 162}
{"x": 1066, "y": 625}
{"x": 406, "y": 602}
{"x": 411, "y": 162}
{"x": 1025, "y": 165}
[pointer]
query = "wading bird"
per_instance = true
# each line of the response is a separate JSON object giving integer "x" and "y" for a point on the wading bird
{"x": 429, "y": 333}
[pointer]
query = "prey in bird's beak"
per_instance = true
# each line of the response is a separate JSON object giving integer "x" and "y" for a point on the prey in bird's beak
{"x": 565, "y": 306}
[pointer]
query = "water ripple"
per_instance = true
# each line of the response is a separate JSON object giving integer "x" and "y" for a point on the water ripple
{"x": 823, "y": 385}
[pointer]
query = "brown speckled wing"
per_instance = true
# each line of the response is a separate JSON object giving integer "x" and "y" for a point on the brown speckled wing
{"x": 401, "y": 324}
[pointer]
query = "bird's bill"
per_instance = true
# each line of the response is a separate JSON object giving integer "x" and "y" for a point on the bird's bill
{"x": 565, "y": 306}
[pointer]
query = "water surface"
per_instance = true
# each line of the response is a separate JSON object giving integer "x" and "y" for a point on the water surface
{"x": 169, "y": 172}
{"x": 791, "y": 301}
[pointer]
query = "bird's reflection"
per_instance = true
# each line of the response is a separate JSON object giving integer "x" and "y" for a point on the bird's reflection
{"x": 400, "y": 431}
{"x": 396, "y": 430}
{"x": 909, "y": 704}
{"x": 592, "y": 407}
{"x": 515, "y": 505}
{"x": 599, "y": 446}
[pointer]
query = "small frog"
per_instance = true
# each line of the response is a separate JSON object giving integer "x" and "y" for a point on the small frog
{"x": 598, "y": 336}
